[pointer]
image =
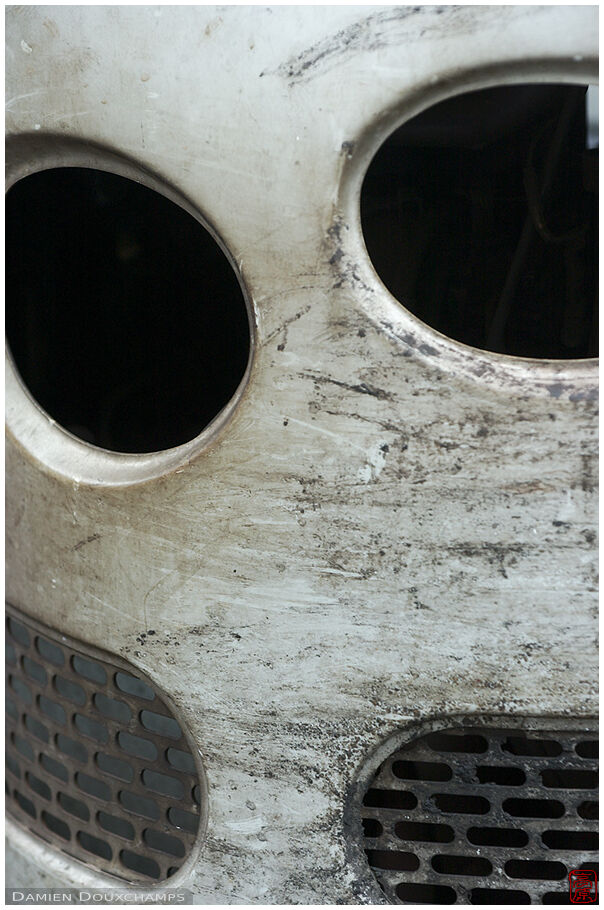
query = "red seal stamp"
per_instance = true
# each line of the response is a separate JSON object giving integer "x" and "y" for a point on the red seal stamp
{"x": 583, "y": 885}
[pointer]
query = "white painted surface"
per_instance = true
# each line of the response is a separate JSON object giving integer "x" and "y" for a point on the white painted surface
{"x": 390, "y": 526}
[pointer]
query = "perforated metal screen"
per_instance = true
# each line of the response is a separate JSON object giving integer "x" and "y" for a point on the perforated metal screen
{"x": 483, "y": 816}
{"x": 96, "y": 763}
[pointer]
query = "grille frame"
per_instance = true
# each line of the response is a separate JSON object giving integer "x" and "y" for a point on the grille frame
{"x": 503, "y": 725}
{"x": 88, "y": 867}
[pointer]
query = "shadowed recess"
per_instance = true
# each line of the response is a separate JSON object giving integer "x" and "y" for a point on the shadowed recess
{"x": 480, "y": 216}
{"x": 124, "y": 317}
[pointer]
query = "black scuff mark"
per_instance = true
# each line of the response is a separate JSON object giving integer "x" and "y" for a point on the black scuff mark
{"x": 87, "y": 540}
{"x": 285, "y": 326}
{"x": 369, "y": 33}
{"x": 382, "y": 29}
{"x": 361, "y": 388}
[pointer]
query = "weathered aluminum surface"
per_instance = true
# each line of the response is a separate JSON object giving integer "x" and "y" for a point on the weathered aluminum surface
{"x": 390, "y": 526}
{"x": 97, "y": 765}
{"x": 526, "y": 791}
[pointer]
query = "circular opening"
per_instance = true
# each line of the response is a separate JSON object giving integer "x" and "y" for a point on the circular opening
{"x": 480, "y": 217}
{"x": 124, "y": 317}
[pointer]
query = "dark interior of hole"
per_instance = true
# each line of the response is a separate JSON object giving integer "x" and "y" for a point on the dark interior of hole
{"x": 465, "y": 227}
{"x": 124, "y": 317}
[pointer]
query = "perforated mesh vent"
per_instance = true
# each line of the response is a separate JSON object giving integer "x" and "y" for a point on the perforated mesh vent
{"x": 483, "y": 816}
{"x": 96, "y": 764}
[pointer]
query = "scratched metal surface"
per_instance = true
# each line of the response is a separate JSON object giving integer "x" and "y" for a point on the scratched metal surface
{"x": 390, "y": 527}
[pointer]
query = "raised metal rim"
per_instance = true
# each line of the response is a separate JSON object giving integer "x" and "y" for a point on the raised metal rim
{"x": 571, "y": 379}
{"x": 35, "y": 431}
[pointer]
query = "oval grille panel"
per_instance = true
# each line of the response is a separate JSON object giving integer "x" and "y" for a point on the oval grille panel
{"x": 96, "y": 763}
{"x": 483, "y": 816}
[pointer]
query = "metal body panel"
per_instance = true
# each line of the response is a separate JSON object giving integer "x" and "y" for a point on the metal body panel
{"x": 390, "y": 526}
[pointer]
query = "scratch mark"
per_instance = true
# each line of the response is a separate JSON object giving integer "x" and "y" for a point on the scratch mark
{"x": 324, "y": 432}
{"x": 82, "y": 543}
{"x": 119, "y": 610}
{"x": 284, "y": 325}
{"x": 58, "y": 117}
{"x": 12, "y": 101}
{"x": 362, "y": 387}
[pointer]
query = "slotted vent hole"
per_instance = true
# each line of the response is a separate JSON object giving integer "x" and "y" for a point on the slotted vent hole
{"x": 164, "y": 843}
{"x": 91, "y": 729}
{"x": 38, "y": 786}
{"x": 570, "y": 779}
{"x": 391, "y": 859}
{"x": 95, "y": 845}
{"x": 589, "y": 809}
{"x": 23, "y": 747}
{"x": 54, "y": 824}
{"x": 504, "y": 777}
{"x": 424, "y": 831}
{"x": 160, "y": 724}
{"x": 132, "y": 685}
{"x": 35, "y": 672}
{"x": 461, "y": 865}
{"x": 112, "y": 708}
{"x": 534, "y": 808}
{"x": 52, "y": 709}
{"x": 456, "y": 802}
{"x": 72, "y": 748}
{"x": 414, "y": 893}
{"x": 498, "y": 896}
{"x": 181, "y": 761}
{"x": 55, "y": 768}
{"x": 11, "y": 708}
{"x": 570, "y": 840}
{"x": 390, "y": 799}
{"x": 115, "y": 767}
{"x": 95, "y": 767}
{"x": 13, "y": 765}
{"x": 92, "y": 786}
{"x": 70, "y": 690}
{"x": 421, "y": 770}
{"x": 20, "y": 689}
{"x": 137, "y": 746}
{"x": 520, "y": 745}
{"x": 36, "y": 728}
{"x": 498, "y": 837}
{"x": 25, "y": 804}
{"x": 588, "y": 749}
{"x": 142, "y": 864}
{"x": 372, "y": 827}
{"x": 180, "y": 818}
{"x": 115, "y": 825}
{"x": 89, "y": 669}
{"x": 498, "y": 817}
{"x": 74, "y": 807}
{"x": 144, "y": 806}
{"x": 18, "y": 632}
{"x": 539, "y": 870}
{"x": 50, "y": 652}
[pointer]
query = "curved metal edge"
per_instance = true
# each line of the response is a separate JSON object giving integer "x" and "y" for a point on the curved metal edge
{"x": 55, "y": 449}
{"x": 367, "y": 884}
{"x": 574, "y": 380}
{"x": 74, "y": 870}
